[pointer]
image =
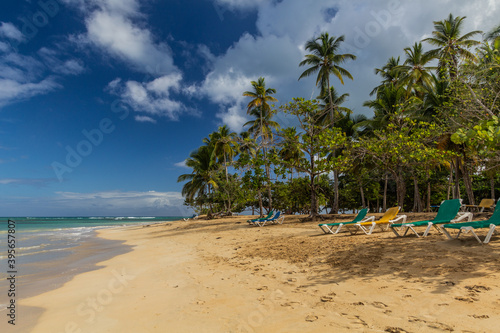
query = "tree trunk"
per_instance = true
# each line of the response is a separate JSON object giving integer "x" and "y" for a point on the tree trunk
{"x": 260, "y": 204}
{"x": 335, "y": 208}
{"x": 268, "y": 175}
{"x": 456, "y": 194}
{"x": 314, "y": 211}
{"x": 468, "y": 182}
{"x": 362, "y": 196}
{"x": 384, "y": 203}
{"x": 450, "y": 181}
{"x": 400, "y": 188}
{"x": 417, "y": 201}
{"x": 314, "y": 206}
{"x": 428, "y": 193}
{"x": 492, "y": 184}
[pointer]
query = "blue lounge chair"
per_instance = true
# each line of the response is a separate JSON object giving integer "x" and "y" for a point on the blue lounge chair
{"x": 277, "y": 218}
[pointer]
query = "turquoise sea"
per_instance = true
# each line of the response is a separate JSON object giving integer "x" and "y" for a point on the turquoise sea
{"x": 49, "y": 251}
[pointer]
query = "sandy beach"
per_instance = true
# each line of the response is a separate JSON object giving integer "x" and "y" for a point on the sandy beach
{"x": 226, "y": 276}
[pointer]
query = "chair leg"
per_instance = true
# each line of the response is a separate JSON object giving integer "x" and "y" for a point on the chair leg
{"x": 490, "y": 233}
{"x": 338, "y": 229}
{"x": 429, "y": 226}
{"x": 446, "y": 233}
{"x": 395, "y": 232}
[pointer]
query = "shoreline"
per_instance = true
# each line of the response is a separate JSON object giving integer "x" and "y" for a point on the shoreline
{"x": 223, "y": 275}
{"x": 40, "y": 278}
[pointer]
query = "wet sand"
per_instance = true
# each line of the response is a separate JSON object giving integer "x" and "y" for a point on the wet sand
{"x": 226, "y": 276}
{"x": 50, "y": 273}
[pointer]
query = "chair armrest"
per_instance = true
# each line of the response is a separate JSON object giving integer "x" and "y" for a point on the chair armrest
{"x": 401, "y": 217}
{"x": 368, "y": 219}
{"x": 463, "y": 216}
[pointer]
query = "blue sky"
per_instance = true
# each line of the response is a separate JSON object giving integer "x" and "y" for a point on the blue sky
{"x": 101, "y": 101}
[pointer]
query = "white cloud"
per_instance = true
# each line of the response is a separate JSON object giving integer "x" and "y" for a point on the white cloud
{"x": 40, "y": 182}
{"x": 374, "y": 31}
{"x": 144, "y": 119}
{"x": 153, "y": 98}
{"x": 122, "y": 203}
{"x": 9, "y": 30}
{"x": 113, "y": 27}
{"x": 53, "y": 61}
{"x": 11, "y": 90}
{"x": 104, "y": 203}
{"x": 239, "y": 4}
{"x": 181, "y": 164}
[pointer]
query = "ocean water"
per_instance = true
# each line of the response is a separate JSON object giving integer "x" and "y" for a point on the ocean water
{"x": 49, "y": 251}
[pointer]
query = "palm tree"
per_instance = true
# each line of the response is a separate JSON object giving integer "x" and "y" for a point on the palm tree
{"x": 415, "y": 72}
{"x": 262, "y": 124}
{"x": 325, "y": 60}
{"x": 202, "y": 178}
{"x": 435, "y": 97}
{"x": 341, "y": 112}
{"x": 259, "y": 105}
{"x": 450, "y": 44}
{"x": 336, "y": 102}
{"x": 225, "y": 145}
{"x": 389, "y": 73}
{"x": 260, "y": 98}
{"x": 494, "y": 34}
{"x": 388, "y": 103}
{"x": 350, "y": 126}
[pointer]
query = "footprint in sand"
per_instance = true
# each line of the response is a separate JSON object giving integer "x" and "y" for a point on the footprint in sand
{"x": 434, "y": 324}
{"x": 326, "y": 299}
{"x": 355, "y": 320}
{"x": 379, "y": 305}
{"x": 480, "y": 316}
{"x": 395, "y": 330}
{"x": 466, "y": 299}
{"x": 477, "y": 289}
{"x": 311, "y": 318}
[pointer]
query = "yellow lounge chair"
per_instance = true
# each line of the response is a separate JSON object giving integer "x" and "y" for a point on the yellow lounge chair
{"x": 484, "y": 204}
{"x": 369, "y": 226}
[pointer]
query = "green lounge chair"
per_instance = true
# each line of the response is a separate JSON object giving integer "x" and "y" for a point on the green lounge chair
{"x": 466, "y": 227}
{"x": 327, "y": 227}
{"x": 448, "y": 210}
{"x": 368, "y": 227}
{"x": 254, "y": 221}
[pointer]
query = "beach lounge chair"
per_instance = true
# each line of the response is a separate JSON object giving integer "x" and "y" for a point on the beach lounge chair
{"x": 328, "y": 227}
{"x": 447, "y": 212}
{"x": 368, "y": 227}
{"x": 253, "y": 221}
{"x": 277, "y": 218}
{"x": 466, "y": 227}
{"x": 484, "y": 204}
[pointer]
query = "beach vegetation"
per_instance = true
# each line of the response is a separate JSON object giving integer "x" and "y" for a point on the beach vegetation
{"x": 434, "y": 134}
